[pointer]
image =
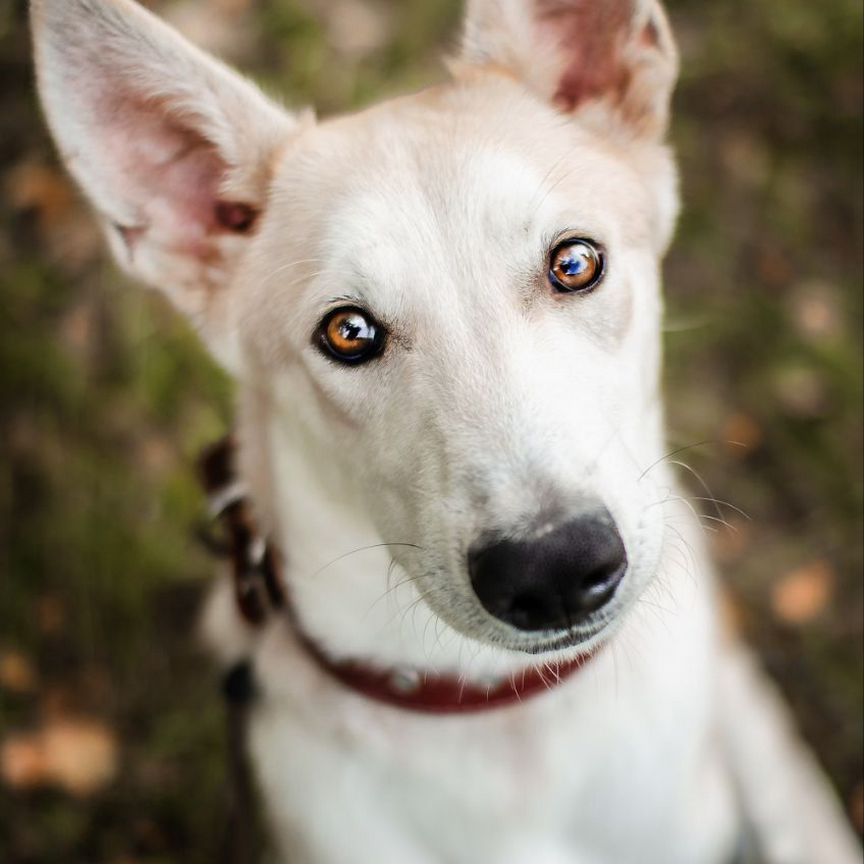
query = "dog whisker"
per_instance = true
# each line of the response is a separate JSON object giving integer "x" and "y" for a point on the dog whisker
{"x": 699, "y": 516}
{"x": 690, "y": 552}
{"x": 720, "y": 501}
{"x": 675, "y": 452}
{"x": 689, "y": 498}
{"x": 391, "y": 588}
{"x": 342, "y": 557}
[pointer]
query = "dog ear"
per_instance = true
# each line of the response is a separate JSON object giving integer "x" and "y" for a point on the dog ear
{"x": 612, "y": 56}
{"x": 174, "y": 150}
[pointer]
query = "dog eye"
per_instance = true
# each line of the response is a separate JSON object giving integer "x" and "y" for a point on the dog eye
{"x": 350, "y": 335}
{"x": 575, "y": 265}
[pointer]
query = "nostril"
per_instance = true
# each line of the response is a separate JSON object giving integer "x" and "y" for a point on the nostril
{"x": 534, "y": 611}
{"x": 607, "y": 574}
{"x": 599, "y": 578}
{"x": 526, "y": 606}
{"x": 598, "y": 587}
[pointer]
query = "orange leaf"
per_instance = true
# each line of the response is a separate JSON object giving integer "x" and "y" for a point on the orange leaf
{"x": 803, "y": 594}
{"x": 16, "y": 672}
{"x": 22, "y": 762}
{"x": 81, "y": 756}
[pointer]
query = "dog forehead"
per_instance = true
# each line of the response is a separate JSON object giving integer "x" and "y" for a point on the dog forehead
{"x": 395, "y": 182}
{"x": 463, "y": 169}
{"x": 444, "y": 218}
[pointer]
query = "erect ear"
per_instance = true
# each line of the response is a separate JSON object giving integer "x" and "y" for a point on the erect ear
{"x": 614, "y": 56}
{"x": 174, "y": 150}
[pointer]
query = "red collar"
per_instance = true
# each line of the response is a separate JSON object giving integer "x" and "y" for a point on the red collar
{"x": 433, "y": 693}
{"x": 259, "y": 589}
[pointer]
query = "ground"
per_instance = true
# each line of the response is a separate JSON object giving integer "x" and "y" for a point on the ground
{"x": 111, "y": 730}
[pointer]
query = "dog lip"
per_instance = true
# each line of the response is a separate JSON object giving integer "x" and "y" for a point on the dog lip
{"x": 568, "y": 639}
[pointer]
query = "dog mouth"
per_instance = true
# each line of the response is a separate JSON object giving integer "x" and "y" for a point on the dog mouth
{"x": 562, "y": 642}
{"x": 582, "y": 640}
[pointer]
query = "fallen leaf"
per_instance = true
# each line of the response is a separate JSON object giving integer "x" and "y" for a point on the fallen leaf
{"x": 803, "y": 594}
{"x": 79, "y": 756}
{"x": 22, "y": 761}
{"x": 17, "y": 674}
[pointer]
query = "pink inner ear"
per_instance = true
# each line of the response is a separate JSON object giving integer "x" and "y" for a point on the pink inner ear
{"x": 591, "y": 37}
{"x": 650, "y": 35}
{"x": 169, "y": 176}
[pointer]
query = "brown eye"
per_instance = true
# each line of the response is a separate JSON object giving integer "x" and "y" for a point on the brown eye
{"x": 351, "y": 335}
{"x": 575, "y": 265}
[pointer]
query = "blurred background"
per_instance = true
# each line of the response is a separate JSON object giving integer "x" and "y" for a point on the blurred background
{"x": 111, "y": 729}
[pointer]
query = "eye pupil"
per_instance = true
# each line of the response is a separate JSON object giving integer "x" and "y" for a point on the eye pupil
{"x": 575, "y": 265}
{"x": 350, "y": 335}
{"x": 351, "y": 330}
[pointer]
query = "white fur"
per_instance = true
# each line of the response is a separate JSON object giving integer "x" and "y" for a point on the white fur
{"x": 498, "y": 406}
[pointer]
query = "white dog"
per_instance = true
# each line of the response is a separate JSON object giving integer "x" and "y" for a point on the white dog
{"x": 443, "y": 315}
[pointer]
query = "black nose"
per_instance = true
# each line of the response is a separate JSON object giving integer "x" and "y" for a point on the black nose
{"x": 554, "y": 581}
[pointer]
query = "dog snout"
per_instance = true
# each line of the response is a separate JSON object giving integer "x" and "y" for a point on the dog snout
{"x": 554, "y": 581}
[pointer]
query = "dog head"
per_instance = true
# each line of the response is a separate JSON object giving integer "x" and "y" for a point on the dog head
{"x": 443, "y": 312}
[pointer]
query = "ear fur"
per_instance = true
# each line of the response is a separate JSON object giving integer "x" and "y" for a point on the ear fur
{"x": 174, "y": 150}
{"x": 612, "y": 57}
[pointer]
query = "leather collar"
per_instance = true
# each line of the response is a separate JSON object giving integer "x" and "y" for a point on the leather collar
{"x": 259, "y": 592}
